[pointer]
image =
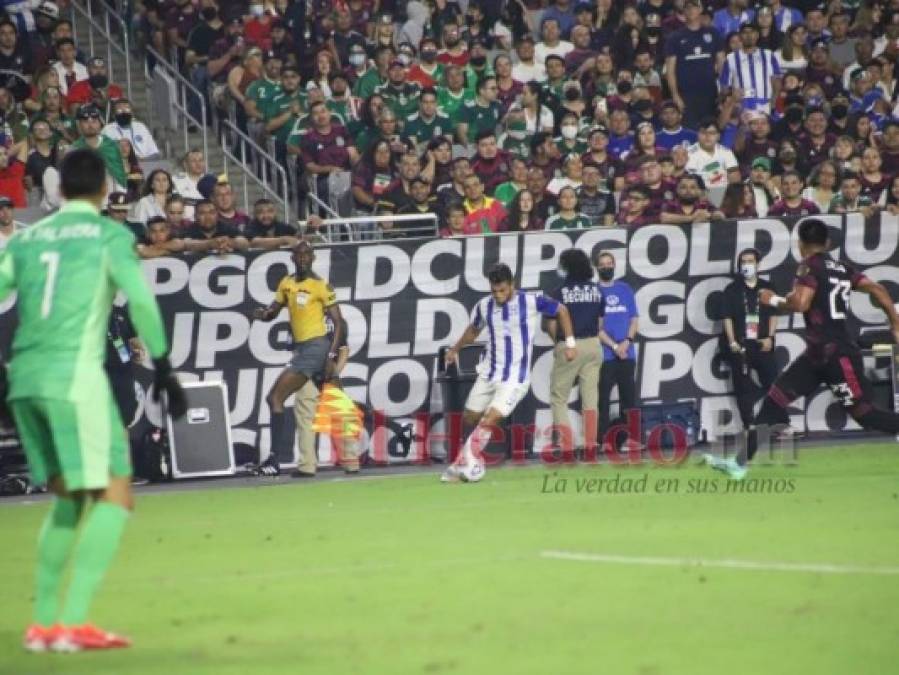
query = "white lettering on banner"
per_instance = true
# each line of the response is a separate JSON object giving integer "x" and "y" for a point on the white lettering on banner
{"x": 675, "y": 257}
{"x": 183, "y": 341}
{"x": 703, "y": 374}
{"x": 701, "y": 300}
{"x": 367, "y": 286}
{"x": 613, "y": 240}
{"x": 748, "y": 237}
{"x": 232, "y": 284}
{"x": 257, "y": 275}
{"x": 663, "y": 361}
{"x": 671, "y": 315}
{"x": 379, "y": 346}
{"x": 426, "y": 341}
{"x": 211, "y": 341}
{"x": 701, "y": 249}
{"x": 861, "y": 304}
{"x": 423, "y": 263}
{"x": 533, "y": 260}
{"x": 887, "y": 239}
{"x": 476, "y": 270}
{"x": 817, "y": 413}
{"x": 417, "y": 387}
{"x": 166, "y": 276}
{"x": 355, "y": 372}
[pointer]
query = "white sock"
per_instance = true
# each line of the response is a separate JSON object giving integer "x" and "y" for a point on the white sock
{"x": 477, "y": 440}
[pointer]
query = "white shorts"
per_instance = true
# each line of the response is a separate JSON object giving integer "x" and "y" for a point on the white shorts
{"x": 502, "y": 396}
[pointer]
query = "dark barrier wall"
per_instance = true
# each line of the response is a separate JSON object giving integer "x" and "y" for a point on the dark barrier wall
{"x": 404, "y": 300}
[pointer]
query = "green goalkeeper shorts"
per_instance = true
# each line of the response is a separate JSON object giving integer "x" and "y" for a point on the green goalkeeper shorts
{"x": 84, "y": 442}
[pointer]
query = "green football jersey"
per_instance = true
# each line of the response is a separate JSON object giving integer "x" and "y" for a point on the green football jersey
{"x": 67, "y": 269}
{"x": 559, "y": 222}
{"x": 422, "y": 131}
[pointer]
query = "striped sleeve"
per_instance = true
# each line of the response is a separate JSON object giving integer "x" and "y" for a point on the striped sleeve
{"x": 478, "y": 320}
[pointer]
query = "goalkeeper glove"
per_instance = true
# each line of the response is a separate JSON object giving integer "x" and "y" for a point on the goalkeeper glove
{"x": 165, "y": 380}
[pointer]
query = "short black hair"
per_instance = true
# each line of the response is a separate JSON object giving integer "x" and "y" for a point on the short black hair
{"x": 263, "y": 201}
{"x": 499, "y": 274}
{"x": 485, "y": 133}
{"x": 82, "y": 174}
{"x": 64, "y": 41}
{"x": 813, "y": 231}
{"x": 155, "y": 220}
{"x": 849, "y": 175}
{"x": 428, "y": 90}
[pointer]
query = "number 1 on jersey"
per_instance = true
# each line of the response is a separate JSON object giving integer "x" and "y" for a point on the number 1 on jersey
{"x": 51, "y": 260}
{"x": 840, "y": 290}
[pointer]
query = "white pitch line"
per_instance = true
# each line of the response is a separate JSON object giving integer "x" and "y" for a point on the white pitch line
{"x": 762, "y": 566}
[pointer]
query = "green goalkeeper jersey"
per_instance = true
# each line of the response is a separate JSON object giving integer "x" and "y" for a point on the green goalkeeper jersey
{"x": 67, "y": 269}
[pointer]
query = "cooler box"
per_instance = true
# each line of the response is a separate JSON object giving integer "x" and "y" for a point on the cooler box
{"x": 200, "y": 441}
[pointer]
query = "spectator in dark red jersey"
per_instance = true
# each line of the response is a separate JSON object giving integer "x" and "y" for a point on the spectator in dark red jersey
{"x": 689, "y": 205}
{"x": 455, "y": 51}
{"x": 12, "y": 174}
{"x": 327, "y": 149}
{"x": 489, "y": 162}
{"x": 757, "y": 142}
{"x": 791, "y": 202}
{"x": 635, "y": 208}
{"x": 657, "y": 189}
{"x": 610, "y": 171}
{"x": 889, "y": 154}
{"x": 817, "y": 142}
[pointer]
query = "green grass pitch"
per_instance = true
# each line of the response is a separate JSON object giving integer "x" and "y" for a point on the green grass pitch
{"x": 407, "y": 575}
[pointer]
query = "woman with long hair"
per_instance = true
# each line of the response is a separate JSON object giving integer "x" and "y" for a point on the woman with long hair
{"x": 325, "y": 66}
{"x": 769, "y": 36}
{"x": 530, "y": 108}
{"x": 568, "y": 217}
{"x": 373, "y": 176}
{"x": 157, "y": 189}
{"x": 793, "y": 54}
{"x": 368, "y": 117}
{"x": 522, "y": 215}
{"x": 44, "y": 78}
{"x": 63, "y": 126}
{"x": 863, "y": 131}
{"x": 822, "y": 184}
{"x": 845, "y": 155}
{"x": 739, "y": 201}
{"x": 644, "y": 146}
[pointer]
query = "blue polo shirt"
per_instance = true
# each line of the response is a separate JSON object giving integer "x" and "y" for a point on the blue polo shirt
{"x": 695, "y": 51}
{"x": 585, "y": 303}
{"x": 621, "y": 307}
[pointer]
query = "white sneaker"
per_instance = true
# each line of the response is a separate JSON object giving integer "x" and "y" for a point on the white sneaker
{"x": 452, "y": 474}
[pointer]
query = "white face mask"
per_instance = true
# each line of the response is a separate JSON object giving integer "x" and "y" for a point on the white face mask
{"x": 257, "y": 10}
{"x": 569, "y": 132}
{"x": 357, "y": 59}
{"x": 748, "y": 270}
{"x": 561, "y": 272}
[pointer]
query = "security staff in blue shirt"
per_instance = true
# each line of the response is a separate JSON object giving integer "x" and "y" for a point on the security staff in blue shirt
{"x": 693, "y": 58}
{"x": 584, "y": 301}
{"x": 618, "y": 330}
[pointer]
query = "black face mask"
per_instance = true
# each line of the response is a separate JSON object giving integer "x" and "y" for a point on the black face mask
{"x": 209, "y": 13}
{"x": 123, "y": 119}
{"x": 794, "y": 115}
{"x": 839, "y": 110}
{"x": 478, "y": 61}
{"x": 338, "y": 93}
{"x": 642, "y": 106}
{"x": 606, "y": 273}
{"x": 692, "y": 199}
{"x": 470, "y": 21}
{"x": 429, "y": 55}
{"x": 572, "y": 94}
{"x": 624, "y": 87}
{"x": 98, "y": 81}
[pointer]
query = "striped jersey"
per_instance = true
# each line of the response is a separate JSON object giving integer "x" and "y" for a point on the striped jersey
{"x": 511, "y": 328}
{"x": 752, "y": 73}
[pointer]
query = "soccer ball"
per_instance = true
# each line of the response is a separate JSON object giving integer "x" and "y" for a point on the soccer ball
{"x": 473, "y": 471}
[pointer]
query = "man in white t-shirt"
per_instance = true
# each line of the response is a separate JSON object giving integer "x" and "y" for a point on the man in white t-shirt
{"x": 707, "y": 158}
{"x": 528, "y": 68}
{"x": 125, "y": 126}
{"x": 552, "y": 42}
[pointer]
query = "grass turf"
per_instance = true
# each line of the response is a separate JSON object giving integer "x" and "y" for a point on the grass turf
{"x": 406, "y": 575}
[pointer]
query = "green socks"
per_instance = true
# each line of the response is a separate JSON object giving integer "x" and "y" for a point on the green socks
{"x": 54, "y": 544}
{"x": 93, "y": 555}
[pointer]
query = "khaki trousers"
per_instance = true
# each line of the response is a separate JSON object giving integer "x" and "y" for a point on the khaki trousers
{"x": 585, "y": 369}
{"x": 305, "y": 403}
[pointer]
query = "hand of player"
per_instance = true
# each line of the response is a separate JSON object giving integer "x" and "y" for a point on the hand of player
{"x": 450, "y": 357}
{"x": 765, "y": 296}
{"x": 261, "y": 313}
{"x": 570, "y": 353}
{"x": 165, "y": 380}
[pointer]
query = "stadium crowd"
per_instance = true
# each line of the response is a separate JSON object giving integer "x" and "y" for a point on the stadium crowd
{"x": 497, "y": 116}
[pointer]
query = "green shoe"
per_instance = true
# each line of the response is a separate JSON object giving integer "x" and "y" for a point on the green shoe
{"x": 717, "y": 463}
{"x": 735, "y": 471}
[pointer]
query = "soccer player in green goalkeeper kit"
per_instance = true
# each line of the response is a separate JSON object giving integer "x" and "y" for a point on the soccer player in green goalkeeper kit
{"x": 66, "y": 270}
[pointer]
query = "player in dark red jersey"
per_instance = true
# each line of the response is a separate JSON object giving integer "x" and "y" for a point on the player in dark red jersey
{"x": 821, "y": 292}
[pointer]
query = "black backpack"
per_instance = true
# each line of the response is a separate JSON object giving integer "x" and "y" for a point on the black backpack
{"x": 153, "y": 457}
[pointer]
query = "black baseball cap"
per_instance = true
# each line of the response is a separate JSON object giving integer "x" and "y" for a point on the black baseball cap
{"x": 118, "y": 201}
{"x": 88, "y": 111}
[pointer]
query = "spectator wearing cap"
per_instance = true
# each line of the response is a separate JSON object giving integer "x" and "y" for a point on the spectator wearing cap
{"x": 610, "y": 170}
{"x": 227, "y": 51}
{"x": 752, "y": 71}
{"x": 96, "y": 89}
{"x": 850, "y": 198}
{"x": 635, "y": 208}
{"x": 208, "y": 231}
{"x": 263, "y": 89}
{"x": 821, "y": 71}
{"x": 572, "y": 175}
{"x": 841, "y": 45}
{"x": 124, "y": 126}
{"x": 672, "y": 132}
{"x": 15, "y": 56}
{"x": 377, "y": 75}
{"x": 552, "y": 42}
{"x": 477, "y": 67}
{"x": 281, "y": 42}
{"x": 90, "y": 126}
{"x": 483, "y": 214}
{"x": 728, "y": 19}
{"x": 119, "y": 208}
{"x": 284, "y": 109}
{"x": 69, "y": 70}
{"x": 710, "y": 160}
{"x": 764, "y": 190}
{"x": 863, "y": 94}
{"x": 527, "y": 68}
{"x": 428, "y": 71}
{"x": 693, "y": 56}
{"x": 226, "y": 210}
{"x": 399, "y": 95}
{"x": 689, "y": 205}
{"x": 8, "y": 225}
{"x": 265, "y": 231}
{"x": 482, "y": 114}
{"x": 790, "y": 124}
{"x": 41, "y": 42}
{"x": 791, "y": 202}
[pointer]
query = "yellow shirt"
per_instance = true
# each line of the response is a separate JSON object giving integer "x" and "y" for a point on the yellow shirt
{"x": 306, "y": 302}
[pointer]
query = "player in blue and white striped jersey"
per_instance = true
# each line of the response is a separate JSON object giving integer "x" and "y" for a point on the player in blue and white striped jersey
{"x": 512, "y": 319}
{"x": 753, "y": 70}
